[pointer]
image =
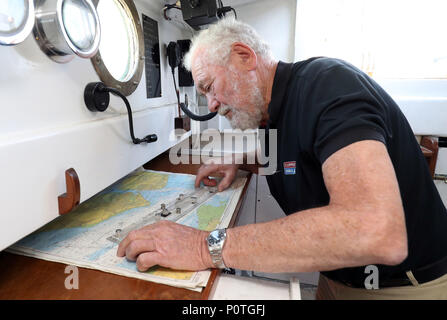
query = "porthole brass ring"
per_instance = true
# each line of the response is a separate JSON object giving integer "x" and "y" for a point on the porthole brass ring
{"x": 129, "y": 86}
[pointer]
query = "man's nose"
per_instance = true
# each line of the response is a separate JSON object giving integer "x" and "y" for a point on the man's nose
{"x": 213, "y": 104}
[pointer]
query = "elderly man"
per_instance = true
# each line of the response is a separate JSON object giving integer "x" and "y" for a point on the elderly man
{"x": 357, "y": 191}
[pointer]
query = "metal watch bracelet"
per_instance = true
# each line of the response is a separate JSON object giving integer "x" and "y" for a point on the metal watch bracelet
{"x": 216, "y": 242}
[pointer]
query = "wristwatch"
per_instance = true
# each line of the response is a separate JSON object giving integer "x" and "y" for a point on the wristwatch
{"x": 216, "y": 242}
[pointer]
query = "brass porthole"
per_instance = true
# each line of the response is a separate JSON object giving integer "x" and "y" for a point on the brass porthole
{"x": 120, "y": 58}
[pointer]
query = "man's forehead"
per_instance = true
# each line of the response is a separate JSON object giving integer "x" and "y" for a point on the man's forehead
{"x": 199, "y": 60}
{"x": 201, "y": 68}
{"x": 201, "y": 73}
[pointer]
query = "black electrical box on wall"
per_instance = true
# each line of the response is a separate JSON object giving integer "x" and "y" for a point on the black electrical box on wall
{"x": 184, "y": 76}
{"x": 199, "y": 12}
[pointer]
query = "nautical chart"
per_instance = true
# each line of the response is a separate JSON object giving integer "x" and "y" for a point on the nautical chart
{"x": 89, "y": 236}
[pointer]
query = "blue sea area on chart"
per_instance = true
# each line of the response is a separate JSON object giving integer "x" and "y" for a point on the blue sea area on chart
{"x": 191, "y": 220}
{"x": 99, "y": 253}
{"x": 129, "y": 265}
{"x": 47, "y": 241}
{"x": 180, "y": 182}
{"x": 155, "y": 196}
{"x": 218, "y": 200}
{"x": 175, "y": 185}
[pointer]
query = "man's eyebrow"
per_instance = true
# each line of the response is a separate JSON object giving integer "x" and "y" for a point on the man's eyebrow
{"x": 201, "y": 85}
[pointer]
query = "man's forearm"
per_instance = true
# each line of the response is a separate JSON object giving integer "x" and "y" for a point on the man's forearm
{"x": 363, "y": 224}
{"x": 319, "y": 239}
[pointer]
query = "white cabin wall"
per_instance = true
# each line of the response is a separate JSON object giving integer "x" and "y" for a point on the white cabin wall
{"x": 275, "y": 23}
{"x": 42, "y": 94}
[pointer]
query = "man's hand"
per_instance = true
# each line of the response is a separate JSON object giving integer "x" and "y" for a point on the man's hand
{"x": 227, "y": 170}
{"x": 167, "y": 244}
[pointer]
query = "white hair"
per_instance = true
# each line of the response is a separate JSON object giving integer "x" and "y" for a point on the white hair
{"x": 219, "y": 37}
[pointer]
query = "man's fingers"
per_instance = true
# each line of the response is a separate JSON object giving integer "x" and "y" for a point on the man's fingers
{"x": 137, "y": 247}
{"x": 209, "y": 182}
{"x": 226, "y": 182}
{"x": 132, "y": 236}
{"x": 203, "y": 174}
{"x": 147, "y": 260}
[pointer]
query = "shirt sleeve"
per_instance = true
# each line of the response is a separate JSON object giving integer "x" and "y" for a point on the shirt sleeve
{"x": 349, "y": 110}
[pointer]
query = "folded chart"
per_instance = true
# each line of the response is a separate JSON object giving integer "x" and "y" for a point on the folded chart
{"x": 89, "y": 236}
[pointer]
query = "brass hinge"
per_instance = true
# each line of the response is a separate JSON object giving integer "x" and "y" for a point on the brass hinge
{"x": 442, "y": 177}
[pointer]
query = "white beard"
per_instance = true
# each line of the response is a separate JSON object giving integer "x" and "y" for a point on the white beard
{"x": 243, "y": 119}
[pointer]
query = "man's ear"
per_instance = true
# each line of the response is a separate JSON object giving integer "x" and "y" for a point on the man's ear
{"x": 243, "y": 56}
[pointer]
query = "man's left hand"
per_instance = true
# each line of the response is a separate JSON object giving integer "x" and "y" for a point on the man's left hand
{"x": 167, "y": 244}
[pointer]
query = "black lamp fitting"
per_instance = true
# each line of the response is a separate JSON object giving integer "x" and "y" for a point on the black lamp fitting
{"x": 97, "y": 98}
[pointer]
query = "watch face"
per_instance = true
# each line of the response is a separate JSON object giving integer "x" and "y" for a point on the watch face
{"x": 214, "y": 238}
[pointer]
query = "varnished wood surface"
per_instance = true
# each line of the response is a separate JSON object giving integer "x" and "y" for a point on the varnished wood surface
{"x": 69, "y": 200}
{"x": 29, "y": 278}
{"x": 429, "y": 147}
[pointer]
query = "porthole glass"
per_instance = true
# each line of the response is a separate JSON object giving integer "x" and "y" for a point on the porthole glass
{"x": 119, "y": 45}
{"x": 16, "y": 20}
{"x": 79, "y": 23}
{"x": 118, "y": 62}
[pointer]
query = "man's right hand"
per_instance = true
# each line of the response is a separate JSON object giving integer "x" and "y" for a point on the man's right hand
{"x": 227, "y": 170}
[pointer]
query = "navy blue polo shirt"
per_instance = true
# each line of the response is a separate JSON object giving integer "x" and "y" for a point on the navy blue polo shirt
{"x": 318, "y": 107}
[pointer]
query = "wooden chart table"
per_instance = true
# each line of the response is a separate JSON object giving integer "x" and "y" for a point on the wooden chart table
{"x": 29, "y": 278}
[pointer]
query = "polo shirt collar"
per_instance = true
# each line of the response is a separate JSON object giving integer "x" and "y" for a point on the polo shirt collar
{"x": 280, "y": 84}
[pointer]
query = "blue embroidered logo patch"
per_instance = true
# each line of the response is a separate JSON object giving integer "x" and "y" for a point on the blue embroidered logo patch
{"x": 290, "y": 167}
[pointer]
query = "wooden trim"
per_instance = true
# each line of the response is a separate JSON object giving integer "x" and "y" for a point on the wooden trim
{"x": 69, "y": 200}
{"x": 207, "y": 290}
{"x": 429, "y": 147}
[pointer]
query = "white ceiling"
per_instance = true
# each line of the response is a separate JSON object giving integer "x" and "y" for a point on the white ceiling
{"x": 233, "y": 3}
